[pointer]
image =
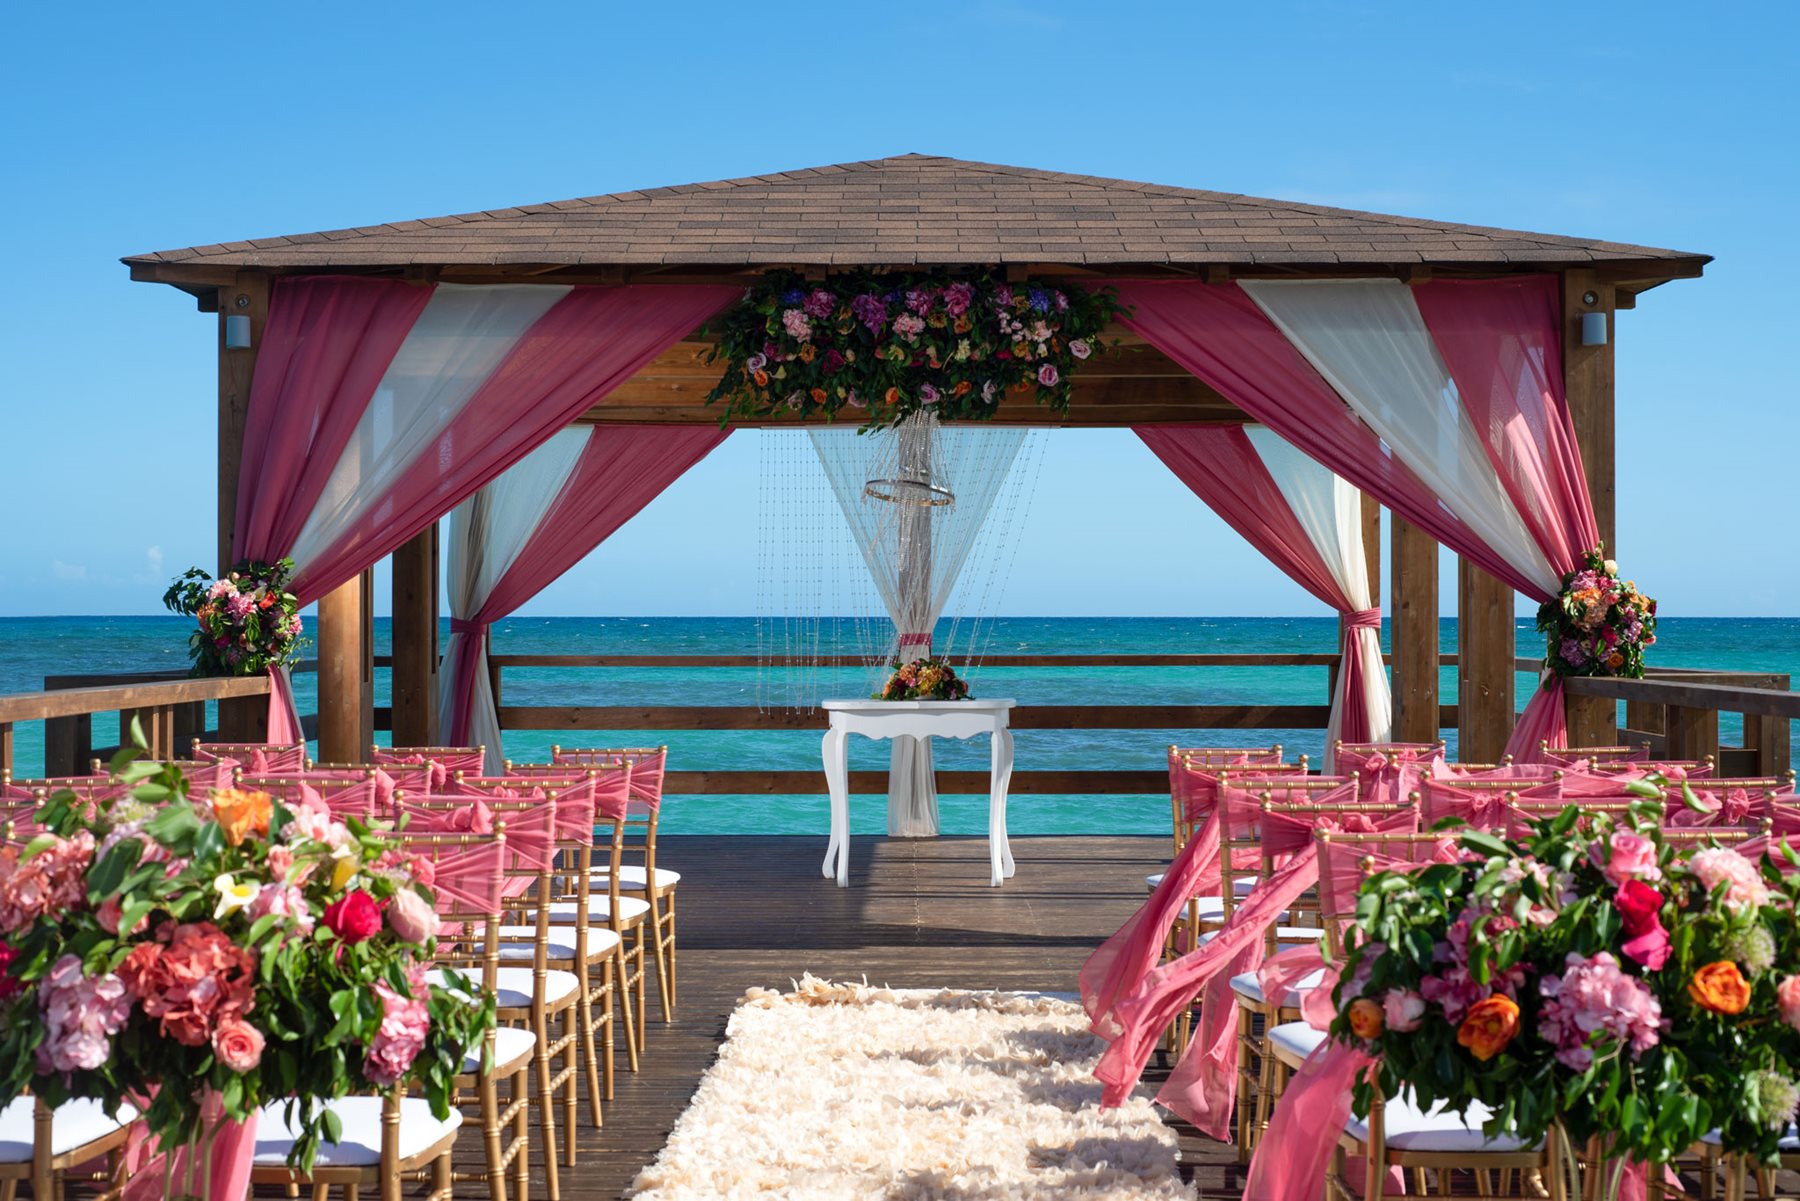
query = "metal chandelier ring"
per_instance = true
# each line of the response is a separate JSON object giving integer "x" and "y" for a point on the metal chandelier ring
{"x": 927, "y": 496}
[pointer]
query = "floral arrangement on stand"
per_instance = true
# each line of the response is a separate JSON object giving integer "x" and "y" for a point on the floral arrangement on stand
{"x": 1599, "y": 624}
{"x": 248, "y": 620}
{"x": 931, "y": 679}
{"x": 1590, "y": 978}
{"x": 196, "y": 955}
{"x": 884, "y": 346}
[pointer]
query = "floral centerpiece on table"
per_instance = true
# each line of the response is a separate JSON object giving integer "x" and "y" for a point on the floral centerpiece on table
{"x": 248, "y": 620}
{"x": 882, "y": 346}
{"x": 1588, "y": 978}
{"x": 175, "y": 952}
{"x": 931, "y": 679}
{"x": 1599, "y": 624}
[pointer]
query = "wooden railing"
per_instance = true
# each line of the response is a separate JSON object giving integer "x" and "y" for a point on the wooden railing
{"x": 165, "y": 708}
{"x": 1676, "y": 713}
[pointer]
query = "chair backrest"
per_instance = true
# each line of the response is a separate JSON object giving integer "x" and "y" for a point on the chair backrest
{"x": 256, "y": 757}
{"x": 1348, "y": 858}
{"x": 468, "y": 874}
{"x": 344, "y": 795}
{"x": 1242, "y": 858}
{"x": 1489, "y": 804}
{"x": 447, "y": 759}
{"x": 88, "y": 788}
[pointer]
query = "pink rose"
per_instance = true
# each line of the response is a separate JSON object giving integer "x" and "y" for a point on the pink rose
{"x": 1047, "y": 375}
{"x": 238, "y": 1044}
{"x": 281, "y": 861}
{"x": 1403, "y": 1009}
{"x": 1629, "y": 856}
{"x": 1787, "y": 995}
{"x": 412, "y": 916}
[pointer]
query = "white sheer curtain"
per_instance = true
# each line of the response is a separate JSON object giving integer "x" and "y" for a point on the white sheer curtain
{"x": 463, "y": 334}
{"x": 1367, "y": 338}
{"x": 1329, "y": 509}
{"x": 916, "y": 553}
{"x": 487, "y": 533}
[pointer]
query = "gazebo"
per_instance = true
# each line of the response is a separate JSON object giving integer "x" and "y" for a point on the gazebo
{"x": 313, "y": 321}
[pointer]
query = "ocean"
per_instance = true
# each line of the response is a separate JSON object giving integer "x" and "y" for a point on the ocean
{"x": 33, "y": 647}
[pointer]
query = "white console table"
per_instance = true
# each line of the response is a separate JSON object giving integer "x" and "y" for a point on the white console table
{"x": 916, "y": 719}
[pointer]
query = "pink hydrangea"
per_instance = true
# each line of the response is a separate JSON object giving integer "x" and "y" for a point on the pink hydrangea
{"x": 1455, "y": 989}
{"x": 404, "y": 1024}
{"x": 1717, "y": 866}
{"x": 797, "y": 324}
{"x": 81, "y": 1015}
{"x": 1594, "y": 1002}
{"x": 909, "y": 327}
{"x": 1403, "y": 1010}
{"x": 52, "y": 880}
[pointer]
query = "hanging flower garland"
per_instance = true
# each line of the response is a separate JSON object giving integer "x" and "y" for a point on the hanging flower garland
{"x": 1599, "y": 625}
{"x": 879, "y": 347}
{"x": 247, "y": 621}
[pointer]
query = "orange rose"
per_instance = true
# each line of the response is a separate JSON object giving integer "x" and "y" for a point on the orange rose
{"x": 1365, "y": 1018}
{"x": 1720, "y": 987}
{"x": 761, "y": 378}
{"x": 818, "y": 395}
{"x": 242, "y": 813}
{"x": 892, "y": 396}
{"x": 962, "y": 388}
{"x": 807, "y": 353}
{"x": 1490, "y": 1024}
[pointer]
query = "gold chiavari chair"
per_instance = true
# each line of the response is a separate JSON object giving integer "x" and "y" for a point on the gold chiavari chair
{"x": 388, "y": 1140}
{"x": 649, "y": 882}
{"x": 44, "y": 1146}
{"x": 345, "y": 794}
{"x": 469, "y": 913}
{"x": 255, "y": 757}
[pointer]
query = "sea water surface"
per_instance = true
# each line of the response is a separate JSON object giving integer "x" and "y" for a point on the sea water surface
{"x": 32, "y": 648}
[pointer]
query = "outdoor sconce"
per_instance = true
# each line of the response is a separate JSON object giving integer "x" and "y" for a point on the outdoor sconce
{"x": 1593, "y": 329}
{"x": 237, "y": 332}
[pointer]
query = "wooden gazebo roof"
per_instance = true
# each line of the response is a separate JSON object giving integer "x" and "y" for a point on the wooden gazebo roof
{"x": 915, "y": 209}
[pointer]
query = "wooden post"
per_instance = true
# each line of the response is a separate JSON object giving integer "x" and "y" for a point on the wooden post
{"x": 346, "y": 700}
{"x": 6, "y": 748}
{"x": 1588, "y": 374}
{"x": 1414, "y": 613}
{"x": 68, "y": 744}
{"x": 415, "y": 640}
{"x": 1692, "y": 733}
{"x": 243, "y": 719}
{"x": 1484, "y": 674}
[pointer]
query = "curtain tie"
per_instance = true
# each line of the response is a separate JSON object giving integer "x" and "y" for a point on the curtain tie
{"x": 915, "y": 640}
{"x": 459, "y": 626}
{"x": 1363, "y": 619}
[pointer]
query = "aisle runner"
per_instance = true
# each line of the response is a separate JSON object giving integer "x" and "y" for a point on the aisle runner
{"x": 843, "y": 1090}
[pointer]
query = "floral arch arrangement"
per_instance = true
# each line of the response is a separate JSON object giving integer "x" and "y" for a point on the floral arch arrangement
{"x": 1598, "y": 625}
{"x": 879, "y": 347}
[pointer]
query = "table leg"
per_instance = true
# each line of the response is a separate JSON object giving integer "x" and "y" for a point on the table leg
{"x": 837, "y": 780}
{"x": 999, "y": 848}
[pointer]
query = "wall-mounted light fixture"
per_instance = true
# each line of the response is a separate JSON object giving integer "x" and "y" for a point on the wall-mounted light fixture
{"x": 1593, "y": 329}
{"x": 237, "y": 331}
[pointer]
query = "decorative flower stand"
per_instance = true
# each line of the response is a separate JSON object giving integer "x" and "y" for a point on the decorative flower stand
{"x": 916, "y": 719}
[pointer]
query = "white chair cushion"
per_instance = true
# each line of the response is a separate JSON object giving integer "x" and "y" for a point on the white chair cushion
{"x": 1790, "y": 1141}
{"x": 600, "y": 909}
{"x": 512, "y": 986}
{"x": 361, "y": 1145}
{"x": 511, "y": 1045}
{"x": 516, "y": 943}
{"x": 1152, "y": 880}
{"x": 76, "y": 1124}
{"x": 1297, "y": 934}
{"x": 1410, "y": 1128}
{"x": 1248, "y": 987}
{"x": 1298, "y": 1039}
{"x": 631, "y": 875}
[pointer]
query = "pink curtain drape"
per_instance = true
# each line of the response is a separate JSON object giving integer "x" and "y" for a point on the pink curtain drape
{"x": 622, "y": 468}
{"x": 326, "y": 346}
{"x": 1223, "y": 469}
{"x": 1501, "y": 341}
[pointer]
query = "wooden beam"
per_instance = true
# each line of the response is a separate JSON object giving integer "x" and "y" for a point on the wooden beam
{"x": 415, "y": 626}
{"x": 344, "y": 664}
{"x": 1484, "y": 676}
{"x": 247, "y": 297}
{"x": 1414, "y": 615}
{"x": 1691, "y": 733}
{"x": 1588, "y": 381}
{"x": 1371, "y": 528}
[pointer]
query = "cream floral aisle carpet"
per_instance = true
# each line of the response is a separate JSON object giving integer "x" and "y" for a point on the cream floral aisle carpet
{"x": 839, "y": 1091}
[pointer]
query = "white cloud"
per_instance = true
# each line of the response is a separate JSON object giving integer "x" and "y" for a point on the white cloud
{"x": 67, "y": 571}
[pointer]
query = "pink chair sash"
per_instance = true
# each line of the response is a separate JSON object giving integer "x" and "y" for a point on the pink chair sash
{"x": 1484, "y": 809}
{"x": 466, "y": 813}
{"x": 443, "y": 761}
{"x": 1391, "y": 771}
{"x": 1732, "y": 805}
{"x": 263, "y": 761}
{"x": 467, "y": 879}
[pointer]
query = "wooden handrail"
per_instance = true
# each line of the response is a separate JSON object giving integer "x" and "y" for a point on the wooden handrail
{"x": 1102, "y": 660}
{"x": 1756, "y": 702}
{"x": 73, "y": 702}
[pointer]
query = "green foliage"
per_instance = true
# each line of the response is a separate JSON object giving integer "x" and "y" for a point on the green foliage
{"x": 247, "y": 622}
{"x": 878, "y": 347}
{"x": 1598, "y": 625}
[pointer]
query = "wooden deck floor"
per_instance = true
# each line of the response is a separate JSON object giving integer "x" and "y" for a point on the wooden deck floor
{"x": 918, "y": 913}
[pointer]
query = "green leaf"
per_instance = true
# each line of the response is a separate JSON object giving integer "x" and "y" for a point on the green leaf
{"x": 332, "y": 1125}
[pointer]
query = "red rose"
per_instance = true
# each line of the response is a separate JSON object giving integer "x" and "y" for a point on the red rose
{"x": 1638, "y": 905}
{"x": 10, "y": 985}
{"x": 353, "y": 918}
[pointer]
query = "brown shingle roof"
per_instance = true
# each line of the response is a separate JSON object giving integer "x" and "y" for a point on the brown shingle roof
{"x": 913, "y": 209}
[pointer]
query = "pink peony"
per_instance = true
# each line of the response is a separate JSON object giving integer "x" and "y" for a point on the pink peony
{"x": 797, "y": 324}
{"x": 1718, "y": 866}
{"x": 412, "y": 916}
{"x": 281, "y": 862}
{"x": 238, "y": 1044}
{"x": 1628, "y": 856}
{"x": 1403, "y": 1009}
{"x": 404, "y": 1024}
{"x": 1787, "y": 996}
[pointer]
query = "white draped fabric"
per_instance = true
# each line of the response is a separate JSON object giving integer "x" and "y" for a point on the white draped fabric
{"x": 1368, "y": 340}
{"x": 1329, "y": 509}
{"x": 487, "y": 533}
{"x": 915, "y": 554}
{"x": 461, "y": 337}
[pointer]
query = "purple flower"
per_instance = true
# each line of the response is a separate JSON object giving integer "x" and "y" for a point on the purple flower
{"x": 1003, "y": 296}
{"x": 834, "y": 362}
{"x": 1080, "y": 349}
{"x": 1039, "y": 300}
{"x": 793, "y": 296}
{"x": 919, "y": 300}
{"x": 1062, "y": 302}
{"x": 1047, "y": 375}
{"x": 1572, "y": 652}
{"x": 821, "y": 303}
{"x": 870, "y": 310}
{"x": 929, "y": 395}
{"x": 756, "y": 362}
{"x": 957, "y": 298}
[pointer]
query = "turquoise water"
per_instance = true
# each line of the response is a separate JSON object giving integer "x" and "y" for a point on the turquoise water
{"x": 33, "y": 647}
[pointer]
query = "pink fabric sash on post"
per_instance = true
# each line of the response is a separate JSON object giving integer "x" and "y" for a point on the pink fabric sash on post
{"x": 232, "y": 1147}
{"x": 1295, "y": 1152}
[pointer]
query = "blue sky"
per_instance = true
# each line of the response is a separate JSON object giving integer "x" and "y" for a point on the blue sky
{"x": 130, "y": 128}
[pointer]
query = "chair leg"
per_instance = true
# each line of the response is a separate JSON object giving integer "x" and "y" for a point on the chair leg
{"x": 1245, "y": 1084}
{"x": 571, "y": 1032}
{"x": 590, "y": 1054}
{"x": 440, "y": 1176}
{"x": 519, "y": 1091}
{"x": 643, "y": 988}
{"x": 674, "y": 977}
{"x": 489, "y": 1092}
{"x": 546, "y": 1107}
{"x": 609, "y": 988}
{"x": 622, "y": 995}
{"x": 662, "y": 965}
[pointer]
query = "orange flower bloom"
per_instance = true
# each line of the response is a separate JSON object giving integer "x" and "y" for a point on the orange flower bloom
{"x": 892, "y": 396}
{"x": 962, "y": 389}
{"x": 807, "y": 353}
{"x": 242, "y": 813}
{"x": 1365, "y": 1018}
{"x": 761, "y": 378}
{"x": 1720, "y": 987}
{"x": 818, "y": 395}
{"x": 1490, "y": 1024}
